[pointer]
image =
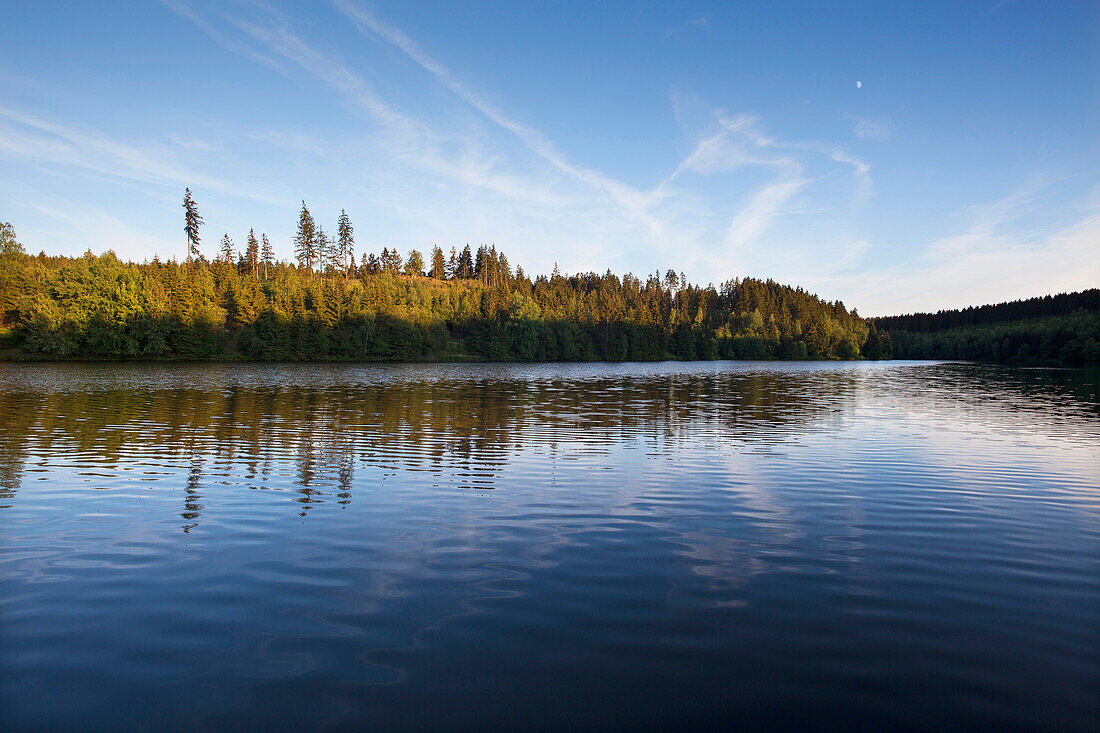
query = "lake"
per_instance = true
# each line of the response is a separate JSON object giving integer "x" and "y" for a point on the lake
{"x": 904, "y": 544}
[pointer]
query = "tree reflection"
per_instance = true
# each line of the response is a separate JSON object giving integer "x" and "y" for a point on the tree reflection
{"x": 463, "y": 431}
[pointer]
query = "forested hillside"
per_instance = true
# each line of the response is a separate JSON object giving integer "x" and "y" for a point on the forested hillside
{"x": 1018, "y": 310}
{"x": 1056, "y": 330}
{"x": 328, "y": 306}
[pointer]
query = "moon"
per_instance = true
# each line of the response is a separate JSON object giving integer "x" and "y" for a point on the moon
{"x": 859, "y": 85}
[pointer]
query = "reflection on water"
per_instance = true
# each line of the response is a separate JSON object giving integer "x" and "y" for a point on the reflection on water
{"x": 470, "y": 545}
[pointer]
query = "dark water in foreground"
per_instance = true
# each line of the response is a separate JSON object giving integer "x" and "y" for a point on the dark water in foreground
{"x": 451, "y": 546}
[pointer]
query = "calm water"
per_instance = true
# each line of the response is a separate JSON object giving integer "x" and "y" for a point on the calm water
{"x": 462, "y": 546}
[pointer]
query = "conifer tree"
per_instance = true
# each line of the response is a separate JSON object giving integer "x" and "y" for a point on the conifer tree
{"x": 192, "y": 222}
{"x": 346, "y": 235}
{"x": 481, "y": 265}
{"x": 305, "y": 245}
{"x": 268, "y": 255}
{"x": 465, "y": 265}
{"x": 335, "y": 258}
{"x": 227, "y": 249}
{"x": 252, "y": 252}
{"x": 320, "y": 249}
{"x": 439, "y": 265}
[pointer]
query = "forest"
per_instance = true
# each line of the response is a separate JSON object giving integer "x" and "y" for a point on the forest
{"x": 1055, "y": 330}
{"x": 243, "y": 304}
{"x": 471, "y": 305}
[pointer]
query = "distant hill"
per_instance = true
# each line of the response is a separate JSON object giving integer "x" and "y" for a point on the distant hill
{"x": 1016, "y": 310}
{"x": 1055, "y": 330}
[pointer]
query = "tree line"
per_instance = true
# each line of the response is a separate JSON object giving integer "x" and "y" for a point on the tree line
{"x": 1017, "y": 310}
{"x": 1055, "y": 330}
{"x": 328, "y": 305}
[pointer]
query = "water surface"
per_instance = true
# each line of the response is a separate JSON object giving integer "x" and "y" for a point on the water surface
{"x": 464, "y": 546}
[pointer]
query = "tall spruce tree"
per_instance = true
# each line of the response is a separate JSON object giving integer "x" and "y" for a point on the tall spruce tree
{"x": 439, "y": 265}
{"x": 465, "y": 265}
{"x": 305, "y": 242}
{"x": 320, "y": 249}
{"x": 227, "y": 249}
{"x": 334, "y": 258}
{"x": 267, "y": 254}
{"x": 346, "y": 234}
{"x": 192, "y": 222}
{"x": 252, "y": 252}
{"x": 414, "y": 266}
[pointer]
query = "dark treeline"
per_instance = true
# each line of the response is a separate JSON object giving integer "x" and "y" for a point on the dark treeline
{"x": 1018, "y": 310}
{"x": 1058, "y": 330}
{"x": 328, "y": 305}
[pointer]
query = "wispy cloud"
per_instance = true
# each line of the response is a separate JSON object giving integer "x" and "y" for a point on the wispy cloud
{"x": 754, "y": 219}
{"x": 37, "y": 139}
{"x": 448, "y": 162}
{"x": 463, "y": 157}
{"x": 697, "y": 21}
{"x": 869, "y": 129}
{"x": 631, "y": 200}
{"x": 993, "y": 259}
{"x": 224, "y": 40}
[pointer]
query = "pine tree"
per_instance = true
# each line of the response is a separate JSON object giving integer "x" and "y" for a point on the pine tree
{"x": 227, "y": 249}
{"x": 346, "y": 234}
{"x": 305, "y": 245}
{"x": 268, "y": 255}
{"x": 452, "y": 265}
{"x": 335, "y": 258}
{"x": 192, "y": 222}
{"x": 391, "y": 261}
{"x": 439, "y": 265}
{"x": 415, "y": 264}
{"x": 481, "y": 265}
{"x": 252, "y": 252}
{"x": 465, "y": 265}
{"x": 320, "y": 249}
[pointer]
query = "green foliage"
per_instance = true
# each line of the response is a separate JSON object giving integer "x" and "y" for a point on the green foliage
{"x": 878, "y": 344}
{"x": 252, "y": 252}
{"x": 100, "y": 307}
{"x": 8, "y": 243}
{"x": 1061, "y": 340}
{"x": 439, "y": 265}
{"x": 1018, "y": 310}
{"x": 192, "y": 222}
{"x": 305, "y": 241}
{"x": 345, "y": 235}
{"x": 1055, "y": 330}
{"x": 414, "y": 266}
{"x": 225, "y": 253}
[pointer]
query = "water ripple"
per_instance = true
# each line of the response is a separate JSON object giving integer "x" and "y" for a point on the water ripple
{"x": 470, "y": 546}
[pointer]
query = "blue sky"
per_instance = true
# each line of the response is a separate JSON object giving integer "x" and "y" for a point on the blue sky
{"x": 720, "y": 139}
